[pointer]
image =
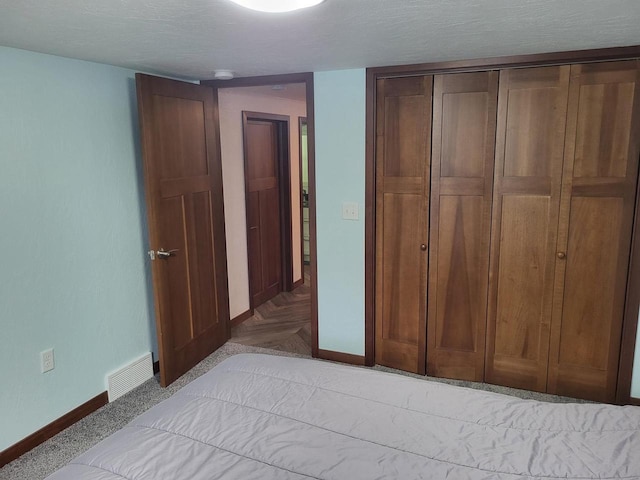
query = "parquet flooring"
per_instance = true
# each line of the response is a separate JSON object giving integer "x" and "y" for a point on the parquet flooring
{"x": 283, "y": 323}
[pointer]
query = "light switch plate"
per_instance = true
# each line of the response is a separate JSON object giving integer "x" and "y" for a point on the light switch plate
{"x": 350, "y": 211}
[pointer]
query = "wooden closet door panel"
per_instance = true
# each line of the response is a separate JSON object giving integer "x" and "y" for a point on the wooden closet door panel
{"x": 532, "y": 107}
{"x": 596, "y": 215}
{"x": 464, "y": 126}
{"x": 402, "y": 194}
{"x": 401, "y": 282}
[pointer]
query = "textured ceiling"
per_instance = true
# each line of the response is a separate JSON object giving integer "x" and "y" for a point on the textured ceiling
{"x": 192, "y": 38}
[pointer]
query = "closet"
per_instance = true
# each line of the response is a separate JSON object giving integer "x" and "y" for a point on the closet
{"x": 504, "y": 212}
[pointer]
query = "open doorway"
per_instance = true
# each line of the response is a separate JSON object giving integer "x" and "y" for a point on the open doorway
{"x": 304, "y": 181}
{"x": 266, "y": 309}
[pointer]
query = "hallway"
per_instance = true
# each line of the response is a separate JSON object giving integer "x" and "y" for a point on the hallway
{"x": 282, "y": 323}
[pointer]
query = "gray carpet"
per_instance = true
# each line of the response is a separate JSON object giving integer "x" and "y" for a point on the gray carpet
{"x": 59, "y": 450}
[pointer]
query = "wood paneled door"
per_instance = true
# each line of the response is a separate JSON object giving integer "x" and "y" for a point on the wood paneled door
{"x": 464, "y": 128}
{"x": 268, "y": 200}
{"x": 402, "y": 219}
{"x": 183, "y": 183}
{"x": 562, "y": 227}
{"x": 596, "y": 215}
{"x": 532, "y": 110}
{"x": 524, "y": 177}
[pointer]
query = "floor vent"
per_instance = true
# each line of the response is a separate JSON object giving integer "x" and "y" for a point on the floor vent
{"x": 130, "y": 377}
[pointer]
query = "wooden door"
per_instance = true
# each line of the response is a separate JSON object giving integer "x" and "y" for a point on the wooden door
{"x": 263, "y": 209}
{"x": 532, "y": 108}
{"x": 596, "y": 216}
{"x": 464, "y": 128}
{"x": 183, "y": 183}
{"x": 402, "y": 219}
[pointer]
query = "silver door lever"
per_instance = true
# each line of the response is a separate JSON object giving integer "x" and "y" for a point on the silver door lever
{"x": 166, "y": 254}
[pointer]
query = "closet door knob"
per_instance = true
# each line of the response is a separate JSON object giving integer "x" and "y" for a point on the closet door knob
{"x": 562, "y": 255}
{"x": 423, "y": 247}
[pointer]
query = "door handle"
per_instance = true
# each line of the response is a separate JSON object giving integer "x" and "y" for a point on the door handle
{"x": 562, "y": 255}
{"x": 162, "y": 254}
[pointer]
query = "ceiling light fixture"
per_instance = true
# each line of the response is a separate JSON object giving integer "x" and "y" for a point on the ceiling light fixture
{"x": 277, "y": 6}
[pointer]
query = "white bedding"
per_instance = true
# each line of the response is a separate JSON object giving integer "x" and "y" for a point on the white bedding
{"x": 267, "y": 417}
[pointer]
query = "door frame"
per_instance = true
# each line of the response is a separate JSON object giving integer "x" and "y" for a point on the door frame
{"x": 307, "y": 79}
{"x": 281, "y": 122}
{"x": 632, "y": 302}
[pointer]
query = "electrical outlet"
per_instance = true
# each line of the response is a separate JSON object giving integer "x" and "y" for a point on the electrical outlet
{"x": 47, "y": 362}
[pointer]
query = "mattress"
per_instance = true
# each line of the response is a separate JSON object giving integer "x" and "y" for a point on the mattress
{"x": 268, "y": 417}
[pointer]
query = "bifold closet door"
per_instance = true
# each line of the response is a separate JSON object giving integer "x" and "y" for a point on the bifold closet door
{"x": 464, "y": 128}
{"x": 402, "y": 218}
{"x": 596, "y": 216}
{"x": 532, "y": 110}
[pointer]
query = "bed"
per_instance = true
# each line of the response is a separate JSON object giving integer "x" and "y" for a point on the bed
{"x": 269, "y": 417}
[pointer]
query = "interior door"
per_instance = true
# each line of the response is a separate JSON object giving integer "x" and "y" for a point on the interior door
{"x": 532, "y": 110}
{"x": 403, "y": 154}
{"x": 464, "y": 129}
{"x": 183, "y": 183}
{"x": 596, "y": 216}
{"x": 263, "y": 209}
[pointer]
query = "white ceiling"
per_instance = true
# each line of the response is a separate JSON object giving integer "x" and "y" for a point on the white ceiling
{"x": 192, "y": 38}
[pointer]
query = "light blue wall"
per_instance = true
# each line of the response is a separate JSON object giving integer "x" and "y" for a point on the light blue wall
{"x": 340, "y": 177}
{"x": 72, "y": 264}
